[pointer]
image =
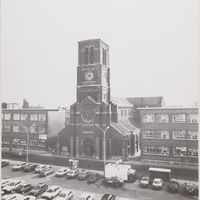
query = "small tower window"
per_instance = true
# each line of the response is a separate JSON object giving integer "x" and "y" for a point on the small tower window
{"x": 91, "y": 55}
{"x": 104, "y": 57}
{"x": 86, "y": 54}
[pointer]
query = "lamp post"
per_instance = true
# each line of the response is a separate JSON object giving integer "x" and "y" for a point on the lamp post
{"x": 28, "y": 132}
{"x": 104, "y": 146}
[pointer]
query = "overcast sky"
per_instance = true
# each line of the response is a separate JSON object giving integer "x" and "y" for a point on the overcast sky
{"x": 154, "y": 48}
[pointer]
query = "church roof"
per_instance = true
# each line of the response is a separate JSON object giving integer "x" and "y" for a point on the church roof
{"x": 146, "y": 101}
{"x": 121, "y": 101}
{"x": 124, "y": 127}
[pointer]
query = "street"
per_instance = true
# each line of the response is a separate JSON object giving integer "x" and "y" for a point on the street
{"x": 129, "y": 190}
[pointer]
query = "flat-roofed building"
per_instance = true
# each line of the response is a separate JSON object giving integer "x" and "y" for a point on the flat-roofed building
{"x": 169, "y": 133}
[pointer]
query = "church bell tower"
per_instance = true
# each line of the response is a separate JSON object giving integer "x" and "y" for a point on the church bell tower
{"x": 91, "y": 113}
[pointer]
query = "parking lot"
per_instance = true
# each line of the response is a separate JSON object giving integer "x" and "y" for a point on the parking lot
{"x": 128, "y": 190}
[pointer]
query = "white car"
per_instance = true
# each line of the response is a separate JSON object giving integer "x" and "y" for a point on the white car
{"x": 29, "y": 197}
{"x": 12, "y": 186}
{"x": 86, "y": 197}
{"x": 61, "y": 172}
{"x": 144, "y": 182}
{"x": 157, "y": 183}
{"x": 12, "y": 197}
{"x": 52, "y": 192}
{"x": 65, "y": 195}
{"x": 40, "y": 168}
{"x": 18, "y": 166}
{"x": 5, "y": 182}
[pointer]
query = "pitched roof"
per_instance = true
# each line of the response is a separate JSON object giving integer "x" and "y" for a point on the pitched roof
{"x": 146, "y": 101}
{"x": 121, "y": 101}
{"x": 124, "y": 127}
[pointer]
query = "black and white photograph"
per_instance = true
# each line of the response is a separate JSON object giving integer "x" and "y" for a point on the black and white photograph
{"x": 100, "y": 99}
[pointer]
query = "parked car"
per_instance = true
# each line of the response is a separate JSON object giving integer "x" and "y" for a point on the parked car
{"x": 189, "y": 188}
{"x": 23, "y": 188}
{"x": 72, "y": 173}
{"x": 83, "y": 174}
{"x": 61, "y": 172}
{"x": 29, "y": 197}
{"x": 45, "y": 172}
{"x": 113, "y": 181}
{"x": 30, "y": 167}
{"x": 12, "y": 186}
{"x": 94, "y": 177}
{"x": 39, "y": 168}
{"x": 4, "y": 163}
{"x": 86, "y": 197}
{"x": 38, "y": 189}
{"x": 108, "y": 197}
{"x": 52, "y": 192}
{"x": 5, "y": 182}
{"x": 144, "y": 182}
{"x": 18, "y": 166}
{"x": 173, "y": 186}
{"x": 12, "y": 197}
{"x": 157, "y": 183}
{"x": 65, "y": 195}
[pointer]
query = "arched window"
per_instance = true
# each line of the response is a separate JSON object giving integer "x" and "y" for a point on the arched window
{"x": 91, "y": 55}
{"x": 86, "y": 54}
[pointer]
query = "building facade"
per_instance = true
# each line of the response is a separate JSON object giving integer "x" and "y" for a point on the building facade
{"x": 169, "y": 134}
{"x": 94, "y": 129}
{"x": 36, "y": 125}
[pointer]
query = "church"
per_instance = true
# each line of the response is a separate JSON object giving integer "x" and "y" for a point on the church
{"x": 100, "y": 127}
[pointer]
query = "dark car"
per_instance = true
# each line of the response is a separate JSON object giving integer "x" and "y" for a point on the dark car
{"x": 190, "y": 188}
{"x": 23, "y": 188}
{"x": 83, "y": 174}
{"x": 47, "y": 171}
{"x": 113, "y": 181}
{"x": 38, "y": 189}
{"x": 173, "y": 186}
{"x": 30, "y": 167}
{"x": 108, "y": 197}
{"x": 4, "y": 163}
{"x": 93, "y": 178}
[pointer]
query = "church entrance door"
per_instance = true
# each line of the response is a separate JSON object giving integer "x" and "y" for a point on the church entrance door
{"x": 88, "y": 147}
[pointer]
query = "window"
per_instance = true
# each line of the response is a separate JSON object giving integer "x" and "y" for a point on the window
{"x": 91, "y": 55}
{"x": 33, "y": 142}
{"x": 22, "y": 142}
{"x": 192, "y": 135}
{"x": 192, "y": 152}
{"x": 41, "y": 117}
{"x": 7, "y": 116}
{"x": 6, "y": 128}
{"x": 164, "y": 151}
{"x": 162, "y": 118}
{"x": 86, "y": 54}
{"x": 193, "y": 118}
{"x": 41, "y": 130}
{"x": 34, "y": 117}
{"x": 33, "y": 129}
{"x": 104, "y": 56}
{"x": 16, "y": 116}
{"x": 6, "y": 140}
{"x": 16, "y": 141}
{"x": 88, "y": 128}
{"x": 155, "y": 134}
{"x": 41, "y": 143}
{"x": 148, "y": 118}
{"x": 16, "y": 129}
{"x": 178, "y": 118}
{"x": 179, "y": 135}
{"x": 23, "y": 129}
{"x": 24, "y": 116}
{"x": 180, "y": 151}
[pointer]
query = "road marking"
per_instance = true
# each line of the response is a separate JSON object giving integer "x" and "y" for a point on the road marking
{"x": 142, "y": 197}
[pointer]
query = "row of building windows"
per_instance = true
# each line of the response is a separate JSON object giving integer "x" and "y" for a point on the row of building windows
{"x": 176, "y": 135}
{"x": 20, "y": 129}
{"x": 88, "y": 128}
{"x": 24, "y": 116}
{"x": 178, "y": 118}
{"x": 24, "y": 142}
{"x": 125, "y": 112}
{"x": 164, "y": 151}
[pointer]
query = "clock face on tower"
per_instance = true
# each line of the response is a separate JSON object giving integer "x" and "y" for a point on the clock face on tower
{"x": 89, "y": 75}
{"x": 88, "y": 113}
